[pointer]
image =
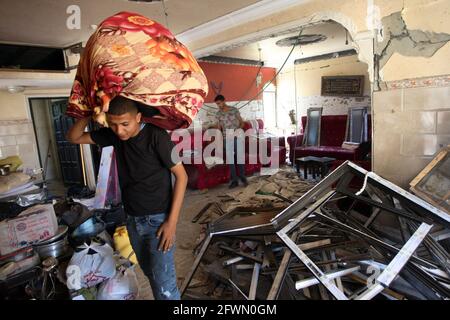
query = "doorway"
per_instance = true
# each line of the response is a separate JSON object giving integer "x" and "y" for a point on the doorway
{"x": 64, "y": 163}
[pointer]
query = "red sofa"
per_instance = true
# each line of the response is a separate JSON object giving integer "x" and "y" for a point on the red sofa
{"x": 202, "y": 177}
{"x": 332, "y": 136}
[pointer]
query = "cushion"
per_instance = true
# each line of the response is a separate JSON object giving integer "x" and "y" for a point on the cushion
{"x": 322, "y": 151}
{"x": 350, "y": 145}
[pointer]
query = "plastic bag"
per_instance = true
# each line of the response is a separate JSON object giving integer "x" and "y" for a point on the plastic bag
{"x": 123, "y": 286}
{"x": 90, "y": 265}
{"x": 30, "y": 199}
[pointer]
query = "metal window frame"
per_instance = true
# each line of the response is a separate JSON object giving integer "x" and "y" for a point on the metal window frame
{"x": 383, "y": 280}
{"x": 288, "y": 219}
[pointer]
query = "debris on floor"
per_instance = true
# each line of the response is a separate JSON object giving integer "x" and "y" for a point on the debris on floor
{"x": 354, "y": 235}
{"x": 263, "y": 194}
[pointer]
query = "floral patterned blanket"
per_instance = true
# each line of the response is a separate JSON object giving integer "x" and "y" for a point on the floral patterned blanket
{"x": 137, "y": 58}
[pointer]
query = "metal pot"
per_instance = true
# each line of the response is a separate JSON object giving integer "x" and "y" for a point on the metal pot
{"x": 54, "y": 249}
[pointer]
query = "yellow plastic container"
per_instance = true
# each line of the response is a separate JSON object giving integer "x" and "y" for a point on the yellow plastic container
{"x": 14, "y": 161}
{"x": 123, "y": 245}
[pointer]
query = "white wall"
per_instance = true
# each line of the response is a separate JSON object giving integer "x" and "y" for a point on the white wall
{"x": 299, "y": 88}
{"x": 17, "y": 135}
{"x": 17, "y": 138}
{"x": 411, "y": 125}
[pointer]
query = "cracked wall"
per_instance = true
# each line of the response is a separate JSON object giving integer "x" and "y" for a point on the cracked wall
{"x": 415, "y": 41}
{"x": 398, "y": 38}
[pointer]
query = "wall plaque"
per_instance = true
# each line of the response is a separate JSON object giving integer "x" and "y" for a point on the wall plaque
{"x": 346, "y": 86}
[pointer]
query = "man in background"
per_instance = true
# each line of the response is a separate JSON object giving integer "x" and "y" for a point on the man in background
{"x": 229, "y": 118}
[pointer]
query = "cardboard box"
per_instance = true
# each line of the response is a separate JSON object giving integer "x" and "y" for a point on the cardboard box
{"x": 32, "y": 225}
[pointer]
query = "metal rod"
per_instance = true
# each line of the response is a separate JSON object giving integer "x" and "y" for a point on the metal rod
{"x": 294, "y": 222}
{"x": 237, "y": 288}
{"x": 241, "y": 254}
{"x": 372, "y": 217}
{"x": 378, "y": 241}
{"x": 254, "y": 283}
{"x": 231, "y": 261}
{"x": 441, "y": 235}
{"x": 281, "y": 273}
{"x": 338, "y": 294}
{"x": 330, "y": 275}
{"x": 199, "y": 257}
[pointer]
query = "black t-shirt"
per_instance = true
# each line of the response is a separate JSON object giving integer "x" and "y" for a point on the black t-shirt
{"x": 143, "y": 164}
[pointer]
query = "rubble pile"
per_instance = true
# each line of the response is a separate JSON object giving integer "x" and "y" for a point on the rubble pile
{"x": 354, "y": 235}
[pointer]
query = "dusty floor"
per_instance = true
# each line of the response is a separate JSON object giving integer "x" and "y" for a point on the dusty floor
{"x": 187, "y": 232}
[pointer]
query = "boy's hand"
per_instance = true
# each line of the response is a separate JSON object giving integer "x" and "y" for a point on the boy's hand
{"x": 166, "y": 234}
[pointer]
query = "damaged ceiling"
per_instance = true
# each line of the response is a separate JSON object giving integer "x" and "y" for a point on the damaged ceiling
{"x": 331, "y": 36}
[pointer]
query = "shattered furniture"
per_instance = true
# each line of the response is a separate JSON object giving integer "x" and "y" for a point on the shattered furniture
{"x": 433, "y": 183}
{"x": 332, "y": 136}
{"x": 334, "y": 242}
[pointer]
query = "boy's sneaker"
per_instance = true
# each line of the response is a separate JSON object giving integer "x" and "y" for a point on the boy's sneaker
{"x": 233, "y": 184}
{"x": 244, "y": 181}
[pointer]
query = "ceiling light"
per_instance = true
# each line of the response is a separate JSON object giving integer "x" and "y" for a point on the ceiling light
{"x": 302, "y": 40}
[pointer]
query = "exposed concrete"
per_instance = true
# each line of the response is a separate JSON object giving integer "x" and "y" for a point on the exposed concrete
{"x": 398, "y": 38}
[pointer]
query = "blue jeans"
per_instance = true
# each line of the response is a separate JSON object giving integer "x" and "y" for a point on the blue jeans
{"x": 231, "y": 148}
{"x": 159, "y": 267}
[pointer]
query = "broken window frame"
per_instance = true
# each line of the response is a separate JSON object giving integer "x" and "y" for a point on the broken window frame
{"x": 284, "y": 223}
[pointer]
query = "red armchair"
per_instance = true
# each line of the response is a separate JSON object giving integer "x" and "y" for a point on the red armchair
{"x": 332, "y": 136}
{"x": 201, "y": 177}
